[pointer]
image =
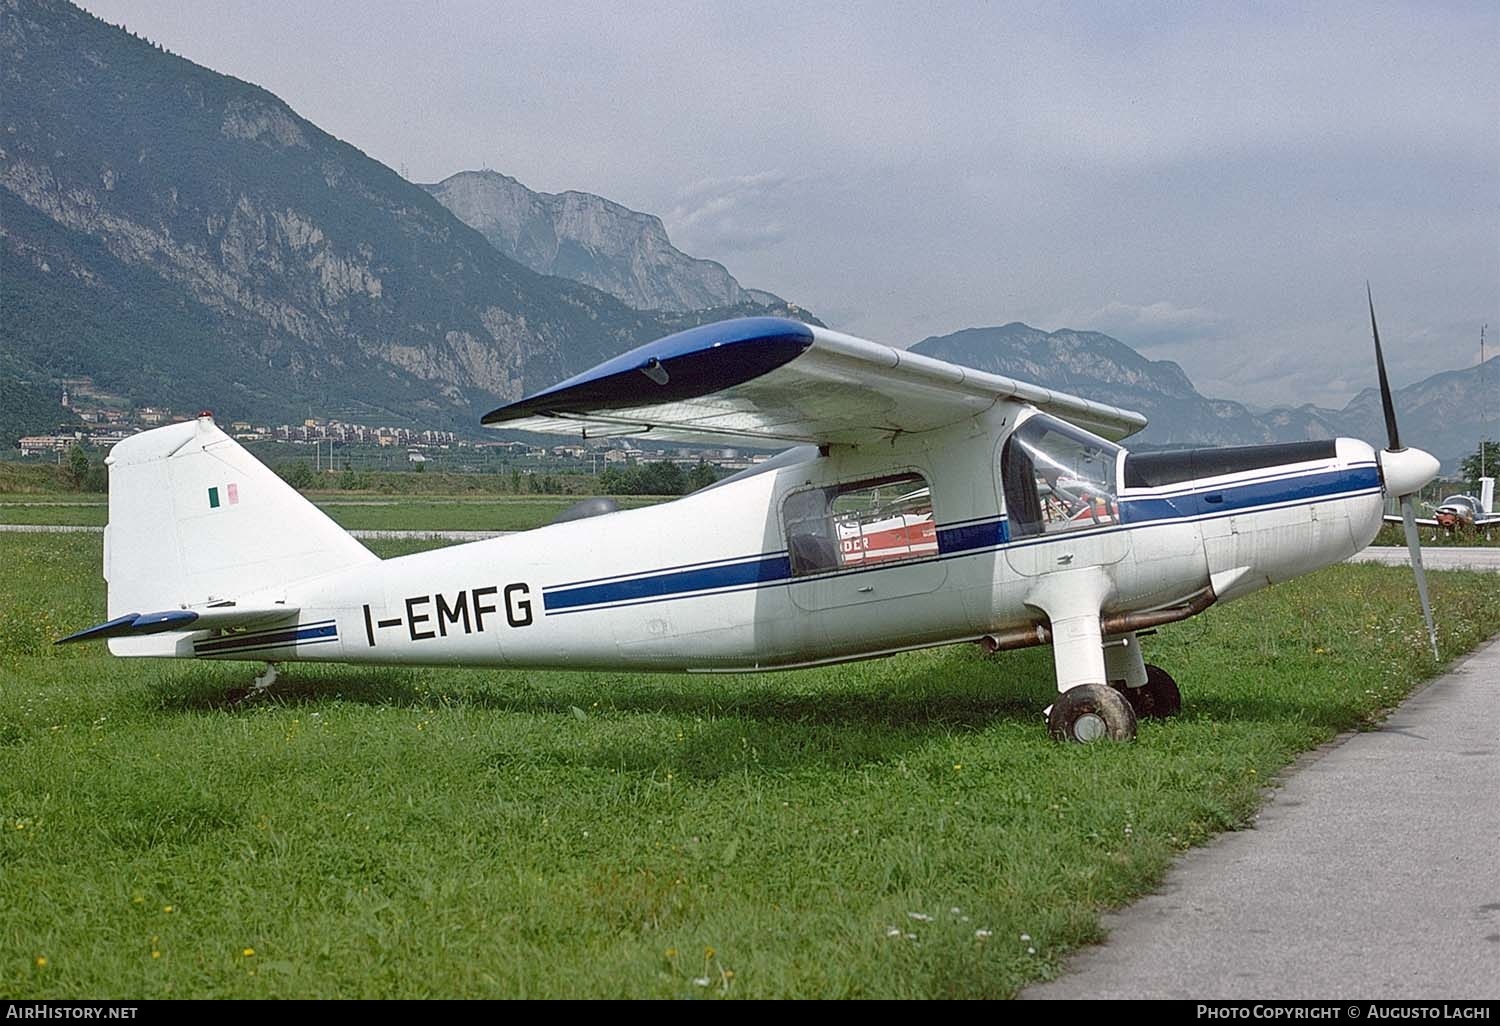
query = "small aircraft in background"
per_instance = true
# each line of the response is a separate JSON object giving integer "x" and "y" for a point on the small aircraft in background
{"x": 1462, "y": 512}
{"x": 919, "y": 504}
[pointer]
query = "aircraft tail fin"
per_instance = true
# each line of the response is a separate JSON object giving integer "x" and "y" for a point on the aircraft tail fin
{"x": 196, "y": 521}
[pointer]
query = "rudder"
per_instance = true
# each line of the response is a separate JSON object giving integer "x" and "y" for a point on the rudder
{"x": 194, "y": 518}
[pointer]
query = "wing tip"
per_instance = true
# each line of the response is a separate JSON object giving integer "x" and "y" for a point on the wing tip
{"x": 685, "y": 364}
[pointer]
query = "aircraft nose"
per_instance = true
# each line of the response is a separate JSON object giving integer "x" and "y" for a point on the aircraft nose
{"x": 1407, "y": 470}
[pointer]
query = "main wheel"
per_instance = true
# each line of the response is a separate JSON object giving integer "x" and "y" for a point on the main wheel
{"x": 1156, "y": 699}
{"x": 1091, "y": 712}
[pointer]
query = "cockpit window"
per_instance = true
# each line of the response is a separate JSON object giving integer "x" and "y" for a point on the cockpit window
{"x": 1058, "y": 477}
{"x": 860, "y": 524}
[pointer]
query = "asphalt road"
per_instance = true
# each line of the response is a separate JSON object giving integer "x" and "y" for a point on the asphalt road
{"x": 1434, "y": 558}
{"x": 358, "y": 533}
{"x": 1453, "y": 558}
{"x": 1374, "y": 872}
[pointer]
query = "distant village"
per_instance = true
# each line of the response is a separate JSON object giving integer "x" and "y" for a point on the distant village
{"x": 107, "y": 419}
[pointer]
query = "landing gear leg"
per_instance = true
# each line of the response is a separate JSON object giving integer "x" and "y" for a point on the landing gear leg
{"x": 1149, "y": 689}
{"x": 1087, "y": 709}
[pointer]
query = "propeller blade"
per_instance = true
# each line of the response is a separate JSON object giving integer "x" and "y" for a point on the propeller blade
{"x": 1414, "y": 546}
{"x": 1385, "y": 386}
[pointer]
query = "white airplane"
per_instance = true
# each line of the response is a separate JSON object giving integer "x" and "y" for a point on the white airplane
{"x": 921, "y": 504}
{"x": 1462, "y": 511}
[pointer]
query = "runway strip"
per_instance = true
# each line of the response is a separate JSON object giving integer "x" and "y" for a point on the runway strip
{"x": 1433, "y": 559}
{"x": 1374, "y": 872}
{"x": 425, "y": 535}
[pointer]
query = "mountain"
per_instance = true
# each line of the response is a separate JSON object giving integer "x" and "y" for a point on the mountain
{"x": 28, "y": 408}
{"x": 1440, "y": 413}
{"x": 590, "y": 239}
{"x": 184, "y": 237}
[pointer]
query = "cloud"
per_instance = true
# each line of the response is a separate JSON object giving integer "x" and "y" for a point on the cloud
{"x": 1157, "y": 325}
{"x": 730, "y": 215}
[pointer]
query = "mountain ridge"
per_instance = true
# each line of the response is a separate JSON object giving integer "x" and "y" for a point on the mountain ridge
{"x": 187, "y": 237}
{"x": 591, "y": 239}
{"x": 1437, "y": 413}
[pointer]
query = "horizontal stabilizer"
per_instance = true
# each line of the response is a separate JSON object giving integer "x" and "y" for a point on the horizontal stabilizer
{"x": 216, "y": 616}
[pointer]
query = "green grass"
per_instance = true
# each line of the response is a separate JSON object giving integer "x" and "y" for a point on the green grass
{"x": 416, "y": 833}
{"x": 1394, "y": 534}
{"x": 353, "y": 510}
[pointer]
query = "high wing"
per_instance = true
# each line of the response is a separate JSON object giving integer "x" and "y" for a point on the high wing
{"x": 769, "y": 380}
{"x": 1395, "y": 518}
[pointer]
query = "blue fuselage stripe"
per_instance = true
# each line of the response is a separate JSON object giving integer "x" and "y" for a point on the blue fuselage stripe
{"x": 1249, "y": 494}
{"x": 967, "y": 538}
{"x": 982, "y": 535}
{"x": 754, "y": 571}
{"x": 268, "y": 639}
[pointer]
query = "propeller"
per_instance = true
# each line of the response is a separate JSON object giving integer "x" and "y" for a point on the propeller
{"x": 1405, "y": 471}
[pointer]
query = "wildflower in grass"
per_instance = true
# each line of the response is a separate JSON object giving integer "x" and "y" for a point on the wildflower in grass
{"x": 893, "y": 931}
{"x": 41, "y": 961}
{"x": 701, "y": 981}
{"x": 983, "y": 935}
{"x": 169, "y": 909}
{"x": 1025, "y": 937}
{"x": 921, "y": 917}
{"x": 248, "y": 953}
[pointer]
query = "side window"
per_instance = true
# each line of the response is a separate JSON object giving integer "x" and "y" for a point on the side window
{"x": 1057, "y": 477}
{"x": 859, "y": 524}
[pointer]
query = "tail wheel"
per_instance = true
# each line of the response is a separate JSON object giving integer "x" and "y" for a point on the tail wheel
{"x": 1091, "y": 712}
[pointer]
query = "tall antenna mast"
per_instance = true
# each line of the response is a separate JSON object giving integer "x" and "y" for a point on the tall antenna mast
{"x": 1484, "y": 431}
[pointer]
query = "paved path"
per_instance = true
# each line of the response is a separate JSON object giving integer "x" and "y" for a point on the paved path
{"x": 1434, "y": 558}
{"x": 1374, "y": 872}
{"x": 1454, "y": 558}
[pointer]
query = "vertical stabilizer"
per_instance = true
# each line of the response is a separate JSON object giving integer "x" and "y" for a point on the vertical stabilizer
{"x": 194, "y": 518}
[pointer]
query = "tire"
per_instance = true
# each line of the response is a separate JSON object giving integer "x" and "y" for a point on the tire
{"x": 1159, "y": 696}
{"x": 1091, "y": 712}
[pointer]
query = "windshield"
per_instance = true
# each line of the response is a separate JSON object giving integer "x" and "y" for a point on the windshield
{"x": 1058, "y": 477}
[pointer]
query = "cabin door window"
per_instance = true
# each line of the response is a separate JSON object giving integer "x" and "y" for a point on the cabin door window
{"x": 858, "y": 525}
{"x": 1057, "y": 478}
{"x": 837, "y": 536}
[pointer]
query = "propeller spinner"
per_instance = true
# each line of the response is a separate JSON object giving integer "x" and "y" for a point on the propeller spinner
{"x": 1405, "y": 471}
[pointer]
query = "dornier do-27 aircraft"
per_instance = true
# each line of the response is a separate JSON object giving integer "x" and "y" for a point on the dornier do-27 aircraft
{"x": 920, "y": 504}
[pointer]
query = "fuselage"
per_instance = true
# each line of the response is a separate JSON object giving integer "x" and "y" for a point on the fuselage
{"x": 928, "y": 539}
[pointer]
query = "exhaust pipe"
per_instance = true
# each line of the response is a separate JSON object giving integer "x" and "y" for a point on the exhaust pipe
{"x": 1112, "y": 624}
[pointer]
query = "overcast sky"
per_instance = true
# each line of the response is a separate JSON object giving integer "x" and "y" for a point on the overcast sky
{"x": 1210, "y": 184}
